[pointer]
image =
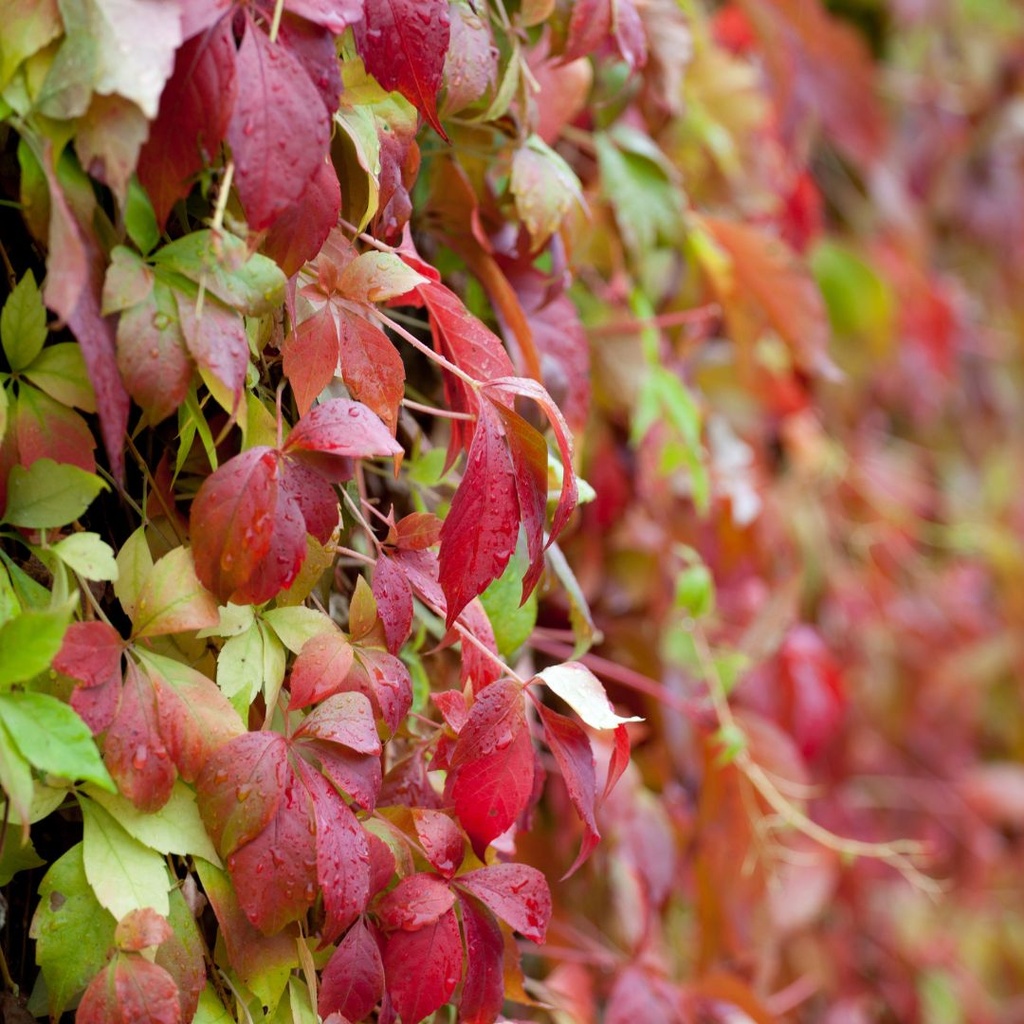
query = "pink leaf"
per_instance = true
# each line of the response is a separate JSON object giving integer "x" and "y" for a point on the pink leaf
{"x": 371, "y": 367}
{"x": 345, "y": 718}
{"x": 141, "y": 929}
{"x": 339, "y": 428}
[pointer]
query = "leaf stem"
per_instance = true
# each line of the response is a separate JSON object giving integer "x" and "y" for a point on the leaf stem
{"x": 899, "y": 854}
{"x": 431, "y": 354}
{"x": 434, "y": 411}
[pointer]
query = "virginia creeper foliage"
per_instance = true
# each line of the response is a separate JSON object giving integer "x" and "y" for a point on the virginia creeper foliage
{"x": 508, "y": 511}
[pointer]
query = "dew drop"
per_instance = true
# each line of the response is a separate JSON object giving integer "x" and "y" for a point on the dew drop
{"x": 140, "y": 757}
{"x": 243, "y": 791}
{"x": 220, "y": 776}
{"x": 248, "y": 128}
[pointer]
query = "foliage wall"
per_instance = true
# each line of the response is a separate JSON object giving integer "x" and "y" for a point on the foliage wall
{"x": 511, "y": 510}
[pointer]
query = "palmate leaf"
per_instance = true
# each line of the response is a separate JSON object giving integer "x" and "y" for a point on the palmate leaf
{"x": 285, "y": 831}
{"x": 249, "y": 519}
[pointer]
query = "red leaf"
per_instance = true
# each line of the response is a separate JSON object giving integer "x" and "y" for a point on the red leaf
{"x": 423, "y": 967}
{"x": 575, "y": 758}
{"x": 277, "y": 103}
{"x": 476, "y": 667}
{"x": 452, "y": 705}
{"x": 618, "y": 761}
{"x": 133, "y": 749}
{"x": 492, "y": 765}
{"x": 479, "y": 534}
{"x": 130, "y": 990}
{"x": 530, "y": 460}
{"x": 483, "y": 991}
{"x": 320, "y": 669}
{"x": 353, "y": 980}
{"x": 394, "y": 601}
{"x": 358, "y": 775}
{"x": 339, "y": 429}
{"x": 195, "y": 108}
{"x": 313, "y": 495}
{"x": 239, "y": 789}
{"x": 769, "y": 287}
{"x": 569, "y": 496}
{"x": 345, "y": 718}
{"x": 385, "y": 680}
{"x": 461, "y": 336}
{"x": 91, "y": 653}
{"x": 442, "y": 840}
{"x": 371, "y": 367}
{"x": 342, "y": 856}
{"x": 310, "y": 355}
{"x": 418, "y": 531}
{"x": 414, "y": 903}
{"x": 232, "y": 520}
{"x": 517, "y": 893}
{"x": 298, "y": 232}
{"x": 403, "y": 45}
{"x": 315, "y": 48}
{"x": 820, "y": 69}
{"x": 275, "y": 873}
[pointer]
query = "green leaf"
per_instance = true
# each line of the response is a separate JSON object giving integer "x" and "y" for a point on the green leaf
{"x": 15, "y": 775}
{"x": 30, "y": 641}
{"x": 211, "y": 1010}
{"x": 253, "y": 284}
{"x": 9, "y": 603}
{"x": 29, "y": 592}
{"x": 52, "y": 738}
{"x": 240, "y": 667}
{"x": 23, "y": 324}
{"x": 511, "y": 621}
{"x": 87, "y": 555}
{"x": 294, "y": 626}
{"x": 139, "y": 218}
{"x": 636, "y": 182}
{"x": 17, "y": 856}
{"x": 49, "y": 494}
{"x": 124, "y": 874}
{"x": 134, "y": 565}
{"x": 28, "y": 26}
{"x": 3, "y": 412}
{"x": 59, "y": 370}
{"x": 174, "y": 828}
{"x": 695, "y": 591}
{"x": 172, "y": 600}
{"x": 544, "y": 187}
{"x": 73, "y": 932}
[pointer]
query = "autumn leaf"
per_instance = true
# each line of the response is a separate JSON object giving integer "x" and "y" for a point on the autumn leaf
{"x": 403, "y": 44}
{"x": 276, "y": 101}
{"x": 490, "y": 779}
